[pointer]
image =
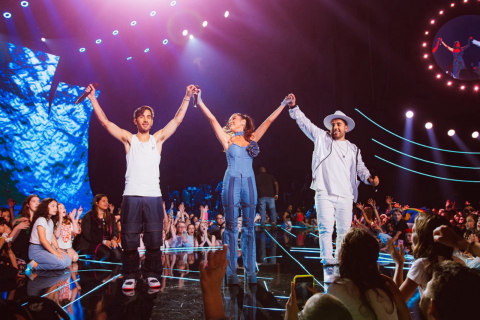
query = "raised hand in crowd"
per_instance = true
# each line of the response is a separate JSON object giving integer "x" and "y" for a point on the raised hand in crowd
{"x": 398, "y": 257}
{"x": 448, "y": 237}
{"x": 360, "y": 206}
{"x": 111, "y": 207}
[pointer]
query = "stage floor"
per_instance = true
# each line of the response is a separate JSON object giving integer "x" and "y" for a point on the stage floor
{"x": 93, "y": 290}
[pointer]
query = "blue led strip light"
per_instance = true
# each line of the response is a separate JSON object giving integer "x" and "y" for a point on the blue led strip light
{"x": 437, "y": 163}
{"x": 270, "y": 309}
{"x": 91, "y": 291}
{"x": 301, "y": 265}
{"x": 288, "y": 232}
{"x": 59, "y": 288}
{"x": 98, "y": 261}
{"x": 419, "y": 144}
{"x": 427, "y": 175}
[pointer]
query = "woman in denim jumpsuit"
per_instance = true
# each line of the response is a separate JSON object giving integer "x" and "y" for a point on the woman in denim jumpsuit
{"x": 239, "y": 140}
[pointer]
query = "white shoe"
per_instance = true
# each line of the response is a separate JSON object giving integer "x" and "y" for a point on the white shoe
{"x": 328, "y": 273}
{"x": 153, "y": 283}
{"x": 129, "y": 285}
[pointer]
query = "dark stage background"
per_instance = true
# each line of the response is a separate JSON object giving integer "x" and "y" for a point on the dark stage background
{"x": 332, "y": 54}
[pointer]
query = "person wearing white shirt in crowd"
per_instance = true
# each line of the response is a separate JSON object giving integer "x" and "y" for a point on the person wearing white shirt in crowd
{"x": 67, "y": 228}
{"x": 336, "y": 166}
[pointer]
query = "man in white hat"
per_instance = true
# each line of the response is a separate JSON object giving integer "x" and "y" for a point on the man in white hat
{"x": 337, "y": 167}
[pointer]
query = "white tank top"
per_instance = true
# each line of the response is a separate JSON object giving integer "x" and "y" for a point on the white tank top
{"x": 143, "y": 169}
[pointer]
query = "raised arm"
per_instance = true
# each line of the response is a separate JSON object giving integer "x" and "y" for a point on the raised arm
{"x": 266, "y": 124}
{"x": 222, "y": 136}
{"x": 118, "y": 133}
{"x": 310, "y": 130}
{"x": 449, "y": 48}
{"x": 169, "y": 129}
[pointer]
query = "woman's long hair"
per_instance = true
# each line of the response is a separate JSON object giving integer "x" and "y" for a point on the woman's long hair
{"x": 25, "y": 210}
{"x": 106, "y": 214}
{"x": 66, "y": 219}
{"x": 426, "y": 246}
{"x": 358, "y": 263}
{"x": 247, "y": 131}
{"x": 42, "y": 211}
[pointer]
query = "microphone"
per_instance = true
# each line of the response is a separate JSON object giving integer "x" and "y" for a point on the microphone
{"x": 85, "y": 94}
{"x": 195, "y": 98}
{"x": 373, "y": 175}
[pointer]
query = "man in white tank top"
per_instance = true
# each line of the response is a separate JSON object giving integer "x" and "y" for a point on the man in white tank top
{"x": 142, "y": 206}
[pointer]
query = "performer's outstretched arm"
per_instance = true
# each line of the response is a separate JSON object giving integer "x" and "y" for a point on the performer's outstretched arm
{"x": 264, "y": 126}
{"x": 449, "y": 48}
{"x": 122, "y": 135}
{"x": 310, "y": 130}
{"x": 222, "y": 136}
{"x": 165, "y": 133}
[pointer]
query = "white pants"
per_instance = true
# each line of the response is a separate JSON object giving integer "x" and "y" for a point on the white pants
{"x": 331, "y": 209}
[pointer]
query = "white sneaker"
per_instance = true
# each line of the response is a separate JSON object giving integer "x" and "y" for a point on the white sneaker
{"x": 129, "y": 285}
{"x": 328, "y": 273}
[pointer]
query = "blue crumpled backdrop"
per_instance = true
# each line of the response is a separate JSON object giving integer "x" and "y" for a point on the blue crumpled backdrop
{"x": 43, "y": 150}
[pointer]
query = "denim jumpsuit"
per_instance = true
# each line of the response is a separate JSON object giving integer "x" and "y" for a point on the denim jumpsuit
{"x": 239, "y": 191}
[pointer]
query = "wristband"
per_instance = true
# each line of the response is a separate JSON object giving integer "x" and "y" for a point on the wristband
{"x": 186, "y": 99}
{"x": 104, "y": 241}
{"x": 292, "y": 107}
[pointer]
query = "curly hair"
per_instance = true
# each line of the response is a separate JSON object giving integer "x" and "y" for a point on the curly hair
{"x": 247, "y": 131}
{"x": 358, "y": 263}
{"x": 42, "y": 211}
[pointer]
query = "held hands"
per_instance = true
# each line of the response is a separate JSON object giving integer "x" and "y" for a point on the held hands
{"x": 289, "y": 100}
{"x": 190, "y": 91}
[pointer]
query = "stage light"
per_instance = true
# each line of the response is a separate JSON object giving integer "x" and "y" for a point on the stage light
{"x": 115, "y": 32}
{"x": 204, "y": 24}
{"x": 409, "y": 114}
{"x": 424, "y": 44}
{"x": 191, "y": 36}
{"x": 475, "y": 88}
{"x": 146, "y": 50}
{"x": 129, "y": 58}
{"x": 451, "y": 132}
{"x": 452, "y": 5}
{"x": 227, "y": 14}
{"x": 185, "y": 32}
{"x": 43, "y": 39}
{"x": 465, "y": 1}
{"x": 133, "y": 23}
{"x": 462, "y": 87}
{"x": 82, "y": 50}
{"x": 432, "y": 21}
{"x": 24, "y": 4}
{"x": 152, "y": 13}
{"x": 165, "y": 41}
{"x": 173, "y": 3}
{"x": 475, "y": 135}
{"x": 441, "y": 12}
{"x": 430, "y": 67}
{"x": 98, "y": 41}
{"x": 425, "y": 56}
{"x": 439, "y": 76}
{"x": 449, "y": 83}
{"x": 428, "y": 125}
{"x": 426, "y": 32}
{"x": 7, "y": 15}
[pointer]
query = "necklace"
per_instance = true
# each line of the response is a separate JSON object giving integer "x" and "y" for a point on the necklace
{"x": 343, "y": 155}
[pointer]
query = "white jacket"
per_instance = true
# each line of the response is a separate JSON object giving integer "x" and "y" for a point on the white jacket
{"x": 323, "y": 148}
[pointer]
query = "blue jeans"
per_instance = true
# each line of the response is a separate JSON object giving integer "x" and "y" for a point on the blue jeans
{"x": 142, "y": 215}
{"x": 47, "y": 260}
{"x": 269, "y": 203}
{"x": 240, "y": 192}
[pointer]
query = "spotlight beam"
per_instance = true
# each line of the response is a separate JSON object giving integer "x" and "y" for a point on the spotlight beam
{"x": 420, "y": 159}
{"x": 427, "y": 175}
{"x": 419, "y": 144}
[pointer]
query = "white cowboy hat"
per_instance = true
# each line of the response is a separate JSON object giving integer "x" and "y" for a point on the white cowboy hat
{"x": 327, "y": 122}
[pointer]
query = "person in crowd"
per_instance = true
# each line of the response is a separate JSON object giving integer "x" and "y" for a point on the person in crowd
{"x": 5, "y": 213}
{"x": 452, "y": 293}
{"x": 470, "y": 226}
{"x": 8, "y": 272}
{"x": 203, "y": 238}
{"x": 67, "y": 228}
{"x": 426, "y": 252}
{"x": 44, "y": 251}
{"x": 300, "y": 216}
{"x": 267, "y": 188}
{"x": 218, "y": 227}
{"x": 288, "y": 216}
{"x": 26, "y": 213}
{"x": 99, "y": 231}
{"x": 239, "y": 140}
{"x": 364, "y": 291}
{"x": 190, "y": 235}
{"x": 399, "y": 226}
{"x": 179, "y": 235}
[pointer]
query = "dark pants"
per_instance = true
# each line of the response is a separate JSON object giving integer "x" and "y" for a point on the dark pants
{"x": 142, "y": 215}
{"x": 104, "y": 253}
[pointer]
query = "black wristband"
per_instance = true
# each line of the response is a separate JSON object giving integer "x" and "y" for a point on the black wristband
{"x": 292, "y": 107}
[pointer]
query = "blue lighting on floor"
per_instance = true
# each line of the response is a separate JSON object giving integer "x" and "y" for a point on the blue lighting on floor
{"x": 313, "y": 234}
{"x": 188, "y": 279}
{"x": 288, "y": 232}
{"x": 7, "y": 15}
{"x": 427, "y": 175}
{"x": 266, "y": 287}
{"x": 101, "y": 285}
{"x": 102, "y": 262}
{"x": 418, "y": 144}
{"x": 432, "y": 162}
{"x": 282, "y": 297}
{"x": 268, "y": 309}
{"x": 272, "y": 257}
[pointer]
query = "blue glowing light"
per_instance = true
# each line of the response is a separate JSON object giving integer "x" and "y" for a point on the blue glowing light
{"x": 266, "y": 287}
{"x": 133, "y": 23}
{"x": 268, "y": 309}
{"x": 24, "y": 4}
{"x": 272, "y": 257}
{"x": 173, "y": 3}
{"x": 437, "y": 163}
{"x": 146, "y": 50}
{"x": 82, "y": 50}
{"x": 44, "y": 147}
{"x": 165, "y": 41}
{"x": 129, "y": 58}
{"x": 313, "y": 234}
{"x": 418, "y": 144}
{"x": 152, "y": 13}
{"x": 288, "y": 232}
{"x": 98, "y": 41}
{"x": 7, "y": 15}
{"x": 427, "y": 175}
{"x": 101, "y": 285}
{"x": 115, "y": 32}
